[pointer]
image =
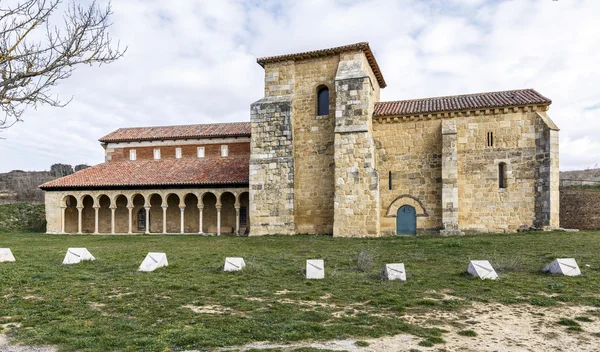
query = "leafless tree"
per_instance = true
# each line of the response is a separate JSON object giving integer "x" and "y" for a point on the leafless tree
{"x": 36, "y": 55}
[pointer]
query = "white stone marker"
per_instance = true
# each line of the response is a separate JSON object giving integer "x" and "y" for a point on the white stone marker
{"x": 564, "y": 266}
{"x": 483, "y": 269}
{"x": 6, "y": 255}
{"x": 153, "y": 261}
{"x": 315, "y": 269}
{"x": 395, "y": 272}
{"x": 234, "y": 264}
{"x": 76, "y": 255}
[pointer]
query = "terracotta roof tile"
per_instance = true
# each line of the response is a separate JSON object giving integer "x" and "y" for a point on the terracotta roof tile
{"x": 211, "y": 130}
{"x": 364, "y": 46}
{"x": 461, "y": 102}
{"x": 167, "y": 172}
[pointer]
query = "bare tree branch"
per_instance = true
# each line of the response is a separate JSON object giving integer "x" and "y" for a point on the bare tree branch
{"x": 30, "y": 66}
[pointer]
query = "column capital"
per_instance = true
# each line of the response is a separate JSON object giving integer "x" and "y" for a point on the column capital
{"x": 218, "y": 207}
{"x": 147, "y": 207}
{"x": 164, "y": 206}
{"x": 96, "y": 207}
{"x": 201, "y": 207}
{"x": 79, "y": 207}
{"x": 63, "y": 207}
{"x": 182, "y": 208}
{"x": 130, "y": 207}
{"x": 112, "y": 207}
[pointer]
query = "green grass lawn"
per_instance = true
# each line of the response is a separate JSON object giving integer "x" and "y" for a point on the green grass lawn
{"x": 108, "y": 305}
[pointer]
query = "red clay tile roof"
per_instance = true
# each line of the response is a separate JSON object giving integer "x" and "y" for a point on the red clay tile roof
{"x": 461, "y": 102}
{"x": 167, "y": 172}
{"x": 364, "y": 46}
{"x": 211, "y": 130}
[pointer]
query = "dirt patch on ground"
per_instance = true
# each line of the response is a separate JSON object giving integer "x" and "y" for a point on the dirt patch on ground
{"x": 119, "y": 295}
{"x": 209, "y": 309}
{"x": 283, "y": 292}
{"x": 498, "y": 327}
{"x": 32, "y": 297}
{"x": 5, "y": 347}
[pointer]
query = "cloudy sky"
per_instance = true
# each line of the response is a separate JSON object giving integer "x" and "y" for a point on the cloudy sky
{"x": 195, "y": 62}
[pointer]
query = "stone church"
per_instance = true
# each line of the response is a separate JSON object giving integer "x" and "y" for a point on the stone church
{"x": 323, "y": 155}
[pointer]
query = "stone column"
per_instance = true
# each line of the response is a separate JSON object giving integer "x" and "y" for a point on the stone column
{"x": 96, "y": 210}
{"x": 449, "y": 179}
{"x": 164, "y": 208}
{"x": 218, "y": 220}
{"x": 182, "y": 209}
{"x": 237, "y": 220}
{"x": 147, "y": 219}
{"x": 62, "y": 219}
{"x": 112, "y": 219}
{"x": 79, "y": 219}
{"x": 200, "y": 211}
{"x": 130, "y": 228}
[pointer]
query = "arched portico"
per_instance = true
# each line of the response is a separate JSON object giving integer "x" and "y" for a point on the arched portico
{"x": 211, "y": 211}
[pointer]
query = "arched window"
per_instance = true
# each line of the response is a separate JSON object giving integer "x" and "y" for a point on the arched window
{"x": 502, "y": 175}
{"x": 322, "y": 101}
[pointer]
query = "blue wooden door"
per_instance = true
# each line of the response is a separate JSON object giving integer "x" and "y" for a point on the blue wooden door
{"x": 406, "y": 221}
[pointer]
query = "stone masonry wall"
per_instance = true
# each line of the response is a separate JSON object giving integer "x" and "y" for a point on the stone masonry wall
{"x": 484, "y": 207}
{"x": 357, "y": 181}
{"x": 579, "y": 209}
{"x": 313, "y": 146}
{"x": 411, "y": 151}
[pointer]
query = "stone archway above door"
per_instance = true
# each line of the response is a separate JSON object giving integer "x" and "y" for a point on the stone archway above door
{"x": 406, "y": 199}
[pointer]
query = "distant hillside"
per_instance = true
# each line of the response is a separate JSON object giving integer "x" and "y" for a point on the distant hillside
{"x": 22, "y": 186}
{"x": 589, "y": 174}
{"x": 589, "y": 177}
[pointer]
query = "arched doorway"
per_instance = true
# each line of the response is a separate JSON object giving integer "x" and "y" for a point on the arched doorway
{"x": 138, "y": 214}
{"x": 71, "y": 214}
{"x": 406, "y": 221}
{"x": 156, "y": 214}
{"x": 173, "y": 214}
{"x": 121, "y": 214}
{"x": 88, "y": 214}
{"x": 104, "y": 214}
{"x": 227, "y": 213}
{"x": 209, "y": 213}
{"x": 191, "y": 214}
{"x": 244, "y": 215}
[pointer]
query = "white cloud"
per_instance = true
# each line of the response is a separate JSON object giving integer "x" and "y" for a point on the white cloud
{"x": 195, "y": 62}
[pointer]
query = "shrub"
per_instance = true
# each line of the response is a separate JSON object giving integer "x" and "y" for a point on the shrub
{"x": 470, "y": 333}
{"x": 364, "y": 260}
{"x": 22, "y": 217}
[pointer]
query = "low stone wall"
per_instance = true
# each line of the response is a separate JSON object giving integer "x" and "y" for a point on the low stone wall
{"x": 579, "y": 209}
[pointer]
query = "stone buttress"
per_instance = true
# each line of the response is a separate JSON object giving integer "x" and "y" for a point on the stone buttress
{"x": 546, "y": 191}
{"x": 356, "y": 200}
{"x": 449, "y": 179}
{"x": 271, "y": 155}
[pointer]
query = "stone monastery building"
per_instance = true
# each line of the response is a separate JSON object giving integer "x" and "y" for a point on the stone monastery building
{"x": 321, "y": 154}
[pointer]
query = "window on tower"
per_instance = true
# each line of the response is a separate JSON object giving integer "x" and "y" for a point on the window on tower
{"x": 322, "y": 101}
